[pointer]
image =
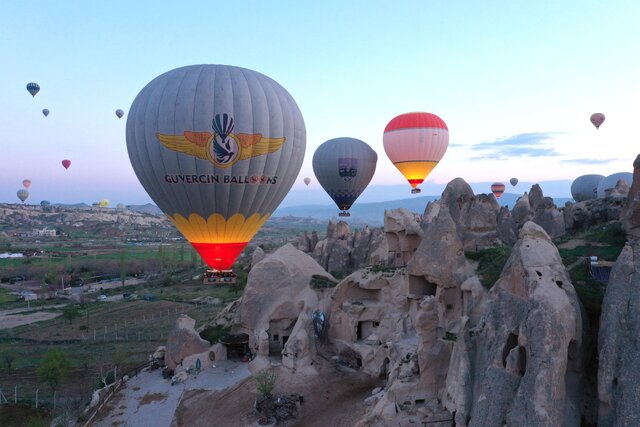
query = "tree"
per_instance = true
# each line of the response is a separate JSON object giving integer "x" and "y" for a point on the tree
{"x": 9, "y": 356}
{"x": 54, "y": 368}
{"x": 70, "y": 312}
{"x": 123, "y": 266}
{"x": 265, "y": 381}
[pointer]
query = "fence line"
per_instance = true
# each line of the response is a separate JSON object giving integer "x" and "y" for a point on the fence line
{"x": 33, "y": 399}
{"x": 92, "y": 412}
{"x": 129, "y": 333}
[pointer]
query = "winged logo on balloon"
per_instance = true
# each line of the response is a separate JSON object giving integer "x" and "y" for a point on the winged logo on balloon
{"x": 223, "y": 148}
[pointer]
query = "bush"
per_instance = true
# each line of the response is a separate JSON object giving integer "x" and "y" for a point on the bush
{"x": 215, "y": 333}
{"x": 110, "y": 379}
{"x": 265, "y": 382}
{"x": 491, "y": 261}
{"x": 322, "y": 282}
{"x": 339, "y": 274}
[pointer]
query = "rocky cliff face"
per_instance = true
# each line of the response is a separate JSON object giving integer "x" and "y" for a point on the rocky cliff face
{"x": 277, "y": 304}
{"x": 527, "y": 349}
{"x": 476, "y": 217}
{"x": 52, "y": 216}
{"x": 618, "y": 348}
{"x": 418, "y": 316}
{"x": 344, "y": 251}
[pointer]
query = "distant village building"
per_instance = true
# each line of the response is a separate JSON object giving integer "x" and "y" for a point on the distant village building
{"x": 45, "y": 232}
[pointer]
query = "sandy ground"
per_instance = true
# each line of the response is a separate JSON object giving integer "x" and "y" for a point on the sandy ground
{"x": 21, "y": 316}
{"x": 574, "y": 243}
{"x": 149, "y": 400}
{"x": 334, "y": 397}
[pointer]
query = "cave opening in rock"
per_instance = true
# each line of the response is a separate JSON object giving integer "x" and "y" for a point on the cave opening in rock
{"x": 420, "y": 286}
{"x": 522, "y": 360}
{"x": 512, "y": 342}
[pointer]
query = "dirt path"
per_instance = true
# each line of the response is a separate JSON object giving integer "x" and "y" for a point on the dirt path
{"x": 332, "y": 398}
{"x": 22, "y": 316}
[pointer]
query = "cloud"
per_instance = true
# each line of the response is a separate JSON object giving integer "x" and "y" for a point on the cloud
{"x": 589, "y": 161}
{"x": 523, "y": 145}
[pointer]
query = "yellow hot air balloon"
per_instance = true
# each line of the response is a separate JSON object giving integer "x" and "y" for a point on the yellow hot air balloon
{"x": 103, "y": 203}
{"x": 217, "y": 148}
{"x": 415, "y": 143}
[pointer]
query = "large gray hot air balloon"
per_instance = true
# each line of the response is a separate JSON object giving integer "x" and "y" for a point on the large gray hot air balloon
{"x": 585, "y": 187}
{"x": 23, "y": 195}
{"x": 344, "y": 167}
{"x": 611, "y": 181}
{"x": 217, "y": 148}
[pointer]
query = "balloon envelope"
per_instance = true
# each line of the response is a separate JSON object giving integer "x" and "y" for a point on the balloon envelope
{"x": 33, "y": 88}
{"x": 66, "y": 163}
{"x": 415, "y": 143}
{"x": 307, "y": 181}
{"x": 597, "y": 119}
{"x": 26, "y": 183}
{"x": 217, "y": 148}
{"x": 585, "y": 187}
{"x": 119, "y": 113}
{"x": 45, "y": 112}
{"x": 497, "y": 188}
{"x": 513, "y": 181}
{"x": 344, "y": 167}
{"x": 103, "y": 203}
{"x": 610, "y": 182}
{"x": 22, "y": 195}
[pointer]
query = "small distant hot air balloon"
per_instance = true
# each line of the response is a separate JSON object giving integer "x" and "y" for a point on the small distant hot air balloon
{"x": 597, "y": 119}
{"x": 103, "y": 203}
{"x": 26, "y": 183}
{"x": 497, "y": 188}
{"x": 33, "y": 88}
{"x": 344, "y": 167}
{"x": 22, "y": 195}
{"x": 218, "y": 155}
{"x": 119, "y": 113}
{"x": 513, "y": 181}
{"x": 66, "y": 163}
{"x": 45, "y": 112}
{"x": 45, "y": 203}
{"x": 307, "y": 181}
{"x": 415, "y": 143}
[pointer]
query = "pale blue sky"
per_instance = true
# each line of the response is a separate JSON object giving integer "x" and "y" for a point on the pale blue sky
{"x": 515, "y": 82}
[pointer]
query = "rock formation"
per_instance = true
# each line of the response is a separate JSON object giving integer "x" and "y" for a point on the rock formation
{"x": 403, "y": 234}
{"x": 619, "y": 354}
{"x": 344, "y": 251}
{"x": 527, "y": 362}
{"x": 476, "y": 217}
{"x": 618, "y": 349}
{"x": 183, "y": 341}
{"x": 277, "y": 303}
{"x": 630, "y": 214}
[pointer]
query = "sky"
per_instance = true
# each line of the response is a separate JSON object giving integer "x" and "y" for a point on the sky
{"x": 516, "y": 82}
